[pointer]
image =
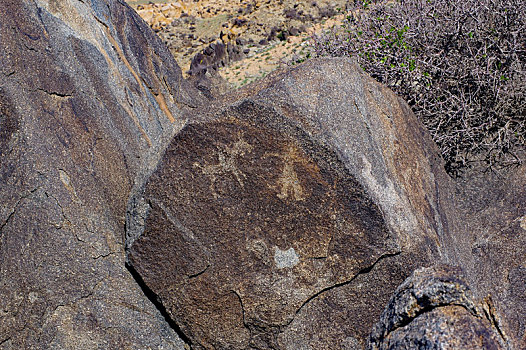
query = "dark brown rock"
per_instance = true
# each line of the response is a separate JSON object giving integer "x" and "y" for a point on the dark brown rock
{"x": 434, "y": 309}
{"x": 318, "y": 184}
{"x": 267, "y": 199}
{"x": 213, "y": 56}
{"x": 89, "y": 97}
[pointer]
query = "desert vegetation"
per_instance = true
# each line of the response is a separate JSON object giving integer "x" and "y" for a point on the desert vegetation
{"x": 460, "y": 64}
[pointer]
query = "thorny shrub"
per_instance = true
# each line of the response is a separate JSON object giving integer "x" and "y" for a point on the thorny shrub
{"x": 460, "y": 64}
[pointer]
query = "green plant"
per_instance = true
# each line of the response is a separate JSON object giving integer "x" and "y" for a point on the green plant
{"x": 460, "y": 64}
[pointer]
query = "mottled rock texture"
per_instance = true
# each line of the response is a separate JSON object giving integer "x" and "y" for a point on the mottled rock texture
{"x": 89, "y": 96}
{"x": 284, "y": 216}
{"x": 434, "y": 309}
{"x": 479, "y": 304}
{"x": 491, "y": 245}
{"x": 316, "y": 192}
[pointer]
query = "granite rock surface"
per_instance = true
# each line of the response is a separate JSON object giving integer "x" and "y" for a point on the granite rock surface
{"x": 301, "y": 212}
{"x": 316, "y": 188}
{"x": 491, "y": 245}
{"x": 88, "y": 98}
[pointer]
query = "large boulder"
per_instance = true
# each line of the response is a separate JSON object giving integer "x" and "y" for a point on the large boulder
{"x": 286, "y": 219}
{"x": 89, "y": 97}
{"x": 284, "y": 216}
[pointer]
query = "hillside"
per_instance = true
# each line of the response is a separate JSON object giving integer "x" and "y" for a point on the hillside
{"x": 258, "y": 36}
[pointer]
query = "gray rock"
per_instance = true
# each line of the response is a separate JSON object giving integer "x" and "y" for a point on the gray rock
{"x": 265, "y": 209}
{"x": 491, "y": 245}
{"x": 434, "y": 309}
{"x": 487, "y": 240}
{"x": 89, "y": 97}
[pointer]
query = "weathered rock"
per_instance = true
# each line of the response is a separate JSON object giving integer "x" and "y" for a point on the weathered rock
{"x": 283, "y": 217}
{"x": 213, "y": 57}
{"x": 434, "y": 309}
{"x": 319, "y": 182}
{"x": 342, "y": 317}
{"x": 491, "y": 246}
{"x": 89, "y": 97}
{"x": 488, "y": 241}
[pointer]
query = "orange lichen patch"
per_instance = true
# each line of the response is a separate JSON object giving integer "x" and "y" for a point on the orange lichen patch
{"x": 118, "y": 49}
{"x": 158, "y": 97}
{"x": 164, "y": 107}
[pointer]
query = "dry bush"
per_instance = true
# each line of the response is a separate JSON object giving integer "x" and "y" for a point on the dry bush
{"x": 460, "y": 64}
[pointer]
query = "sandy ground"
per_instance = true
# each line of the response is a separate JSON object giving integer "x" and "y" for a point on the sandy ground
{"x": 269, "y": 34}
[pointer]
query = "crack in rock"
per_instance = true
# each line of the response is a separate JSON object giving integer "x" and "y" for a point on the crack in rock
{"x": 17, "y": 204}
{"x": 154, "y": 299}
{"x": 338, "y": 285}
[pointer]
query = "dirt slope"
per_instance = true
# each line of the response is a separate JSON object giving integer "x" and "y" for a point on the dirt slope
{"x": 260, "y": 35}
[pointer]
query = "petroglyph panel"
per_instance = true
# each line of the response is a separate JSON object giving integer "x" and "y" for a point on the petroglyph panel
{"x": 275, "y": 218}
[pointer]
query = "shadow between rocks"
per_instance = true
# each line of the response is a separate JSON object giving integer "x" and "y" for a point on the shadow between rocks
{"x": 154, "y": 299}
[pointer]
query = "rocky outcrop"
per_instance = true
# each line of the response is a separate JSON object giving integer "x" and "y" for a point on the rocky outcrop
{"x": 213, "y": 57}
{"x": 315, "y": 190}
{"x": 194, "y": 30}
{"x": 434, "y": 309}
{"x": 285, "y": 216}
{"x": 491, "y": 245}
{"x": 89, "y": 97}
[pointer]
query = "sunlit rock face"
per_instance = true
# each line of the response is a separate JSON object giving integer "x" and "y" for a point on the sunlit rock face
{"x": 89, "y": 97}
{"x": 267, "y": 205}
